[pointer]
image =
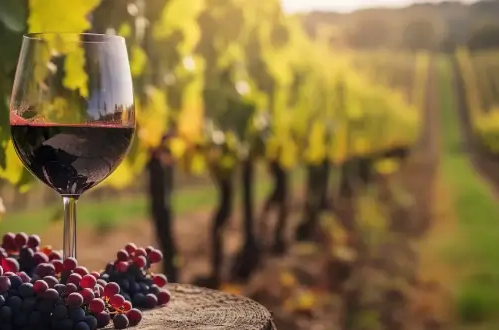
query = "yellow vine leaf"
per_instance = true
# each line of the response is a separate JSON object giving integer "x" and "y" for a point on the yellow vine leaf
{"x": 14, "y": 167}
{"x": 60, "y": 15}
{"x": 76, "y": 78}
{"x": 177, "y": 147}
{"x": 198, "y": 164}
{"x": 122, "y": 177}
{"x": 386, "y": 166}
{"x": 138, "y": 60}
{"x": 125, "y": 30}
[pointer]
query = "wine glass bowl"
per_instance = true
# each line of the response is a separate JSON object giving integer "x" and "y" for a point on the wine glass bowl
{"x": 72, "y": 113}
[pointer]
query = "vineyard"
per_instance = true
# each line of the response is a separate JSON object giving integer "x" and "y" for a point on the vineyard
{"x": 323, "y": 162}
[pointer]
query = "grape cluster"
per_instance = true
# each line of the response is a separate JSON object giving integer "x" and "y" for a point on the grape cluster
{"x": 48, "y": 304}
{"x": 41, "y": 290}
{"x": 131, "y": 270}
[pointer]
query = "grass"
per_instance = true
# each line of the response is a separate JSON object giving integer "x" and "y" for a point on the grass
{"x": 113, "y": 211}
{"x": 475, "y": 251}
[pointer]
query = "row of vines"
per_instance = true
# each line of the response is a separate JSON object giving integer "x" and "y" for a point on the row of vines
{"x": 222, "y": 85}
{"x": 478, "y": 71}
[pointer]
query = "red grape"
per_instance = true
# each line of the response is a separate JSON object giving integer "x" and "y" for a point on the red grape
{"x": 51, "y": 281}
{"x": 88, "y": 281}
{"x": 33, "y": 241}
{"x": 155, "y": 256}
{"x": 54, "y": 255}
{"x": 122, "y": 255}
{"x": 21, "y": 239}
{"x": 24, "y": 277}
{"x": 163, "y": 297}
{"x": 10, "y": 265}
{"x": 160, "y": 280}
{"x": 130, "y": 248}
{"x": 121, "y": 266}
{"x": 101, "y": 282}
{"x": 111, "y": 289}
{"x": 140, "y": 261}
{"x": 88, "y": 295}
{"x": 70, "y": 263}
{"x": 58, "y": 266}
{"x": 127, "y": 306}
{"x": 117, "y": 301}
{"x": 149, "y": 249}
{"x": 74, "y": 278}
{"x": 81, "y": 270}
{"x": 135, "y": 316}
{"x": 40, "y": 258}
{"x": 4, "y": 284}
{"x": 140, "y": 252}
{"x": 40, "y": 286}
{"x": 97, "y": 306}
{"x": 96, "y": 275}
{"x": 99, "y": 288}
{"x": 51, "y": 294}
{"x": 9, "y": 242}
{"x": 74, "y": 300}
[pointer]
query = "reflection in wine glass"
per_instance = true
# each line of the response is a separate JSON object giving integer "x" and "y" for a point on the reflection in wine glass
{"x": 72, "y": 113}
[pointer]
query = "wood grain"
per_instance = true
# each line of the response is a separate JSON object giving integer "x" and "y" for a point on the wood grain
{"x": 196, "y": 308}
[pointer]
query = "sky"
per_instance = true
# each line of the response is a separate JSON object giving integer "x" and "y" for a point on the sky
{"x": 345, "y": 5}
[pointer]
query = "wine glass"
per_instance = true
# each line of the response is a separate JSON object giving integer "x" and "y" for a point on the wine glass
{"x": 72, "y": 113}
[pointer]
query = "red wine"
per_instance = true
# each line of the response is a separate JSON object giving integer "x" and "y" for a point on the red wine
{"x": 71, "y": 159}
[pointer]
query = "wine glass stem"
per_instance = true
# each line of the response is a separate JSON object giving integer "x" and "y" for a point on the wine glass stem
{"x": 69, "y": 248}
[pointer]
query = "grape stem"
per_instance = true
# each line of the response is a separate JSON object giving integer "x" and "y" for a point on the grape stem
{"x": 69, "y": 247}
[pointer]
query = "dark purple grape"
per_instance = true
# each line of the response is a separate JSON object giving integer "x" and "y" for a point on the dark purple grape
{"x": 120, "y": 321}
{"x": 29, "y": 304}
{"x": 60, "y": 288}
{"x": 35, "y": 319}
{"x": 70, "y": 288}
{"x": 20, "y": 320}
{"x": 150, "y": 301}
{"x": 66, "y": 324}
{"x": 5, "y": 314}
{"x": 82, "y": 325}
{"x": 60, "y": 312}
{"x": 91, "y": 322}
{"x": 15, "y": 303}
{"x": 26, "y": 290}
{"x": 2, "y": 300}
{"x": 15, "y": 282}
{"x": 103, "y": 319}
{"x": 77, "y": 314}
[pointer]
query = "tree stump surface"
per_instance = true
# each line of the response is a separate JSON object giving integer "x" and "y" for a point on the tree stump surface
{"x": 195, "y": 308}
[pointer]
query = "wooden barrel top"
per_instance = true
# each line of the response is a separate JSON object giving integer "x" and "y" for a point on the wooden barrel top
{"x": 195, "y": 308}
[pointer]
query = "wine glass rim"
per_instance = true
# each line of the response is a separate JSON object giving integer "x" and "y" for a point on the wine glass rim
{"x": 99, "y": 37}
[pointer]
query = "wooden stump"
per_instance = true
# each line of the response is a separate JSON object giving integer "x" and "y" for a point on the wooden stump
{"x": 194, "y": 308}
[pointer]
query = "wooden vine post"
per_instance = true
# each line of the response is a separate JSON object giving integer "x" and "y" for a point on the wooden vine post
{"x": 195, "y": 308}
